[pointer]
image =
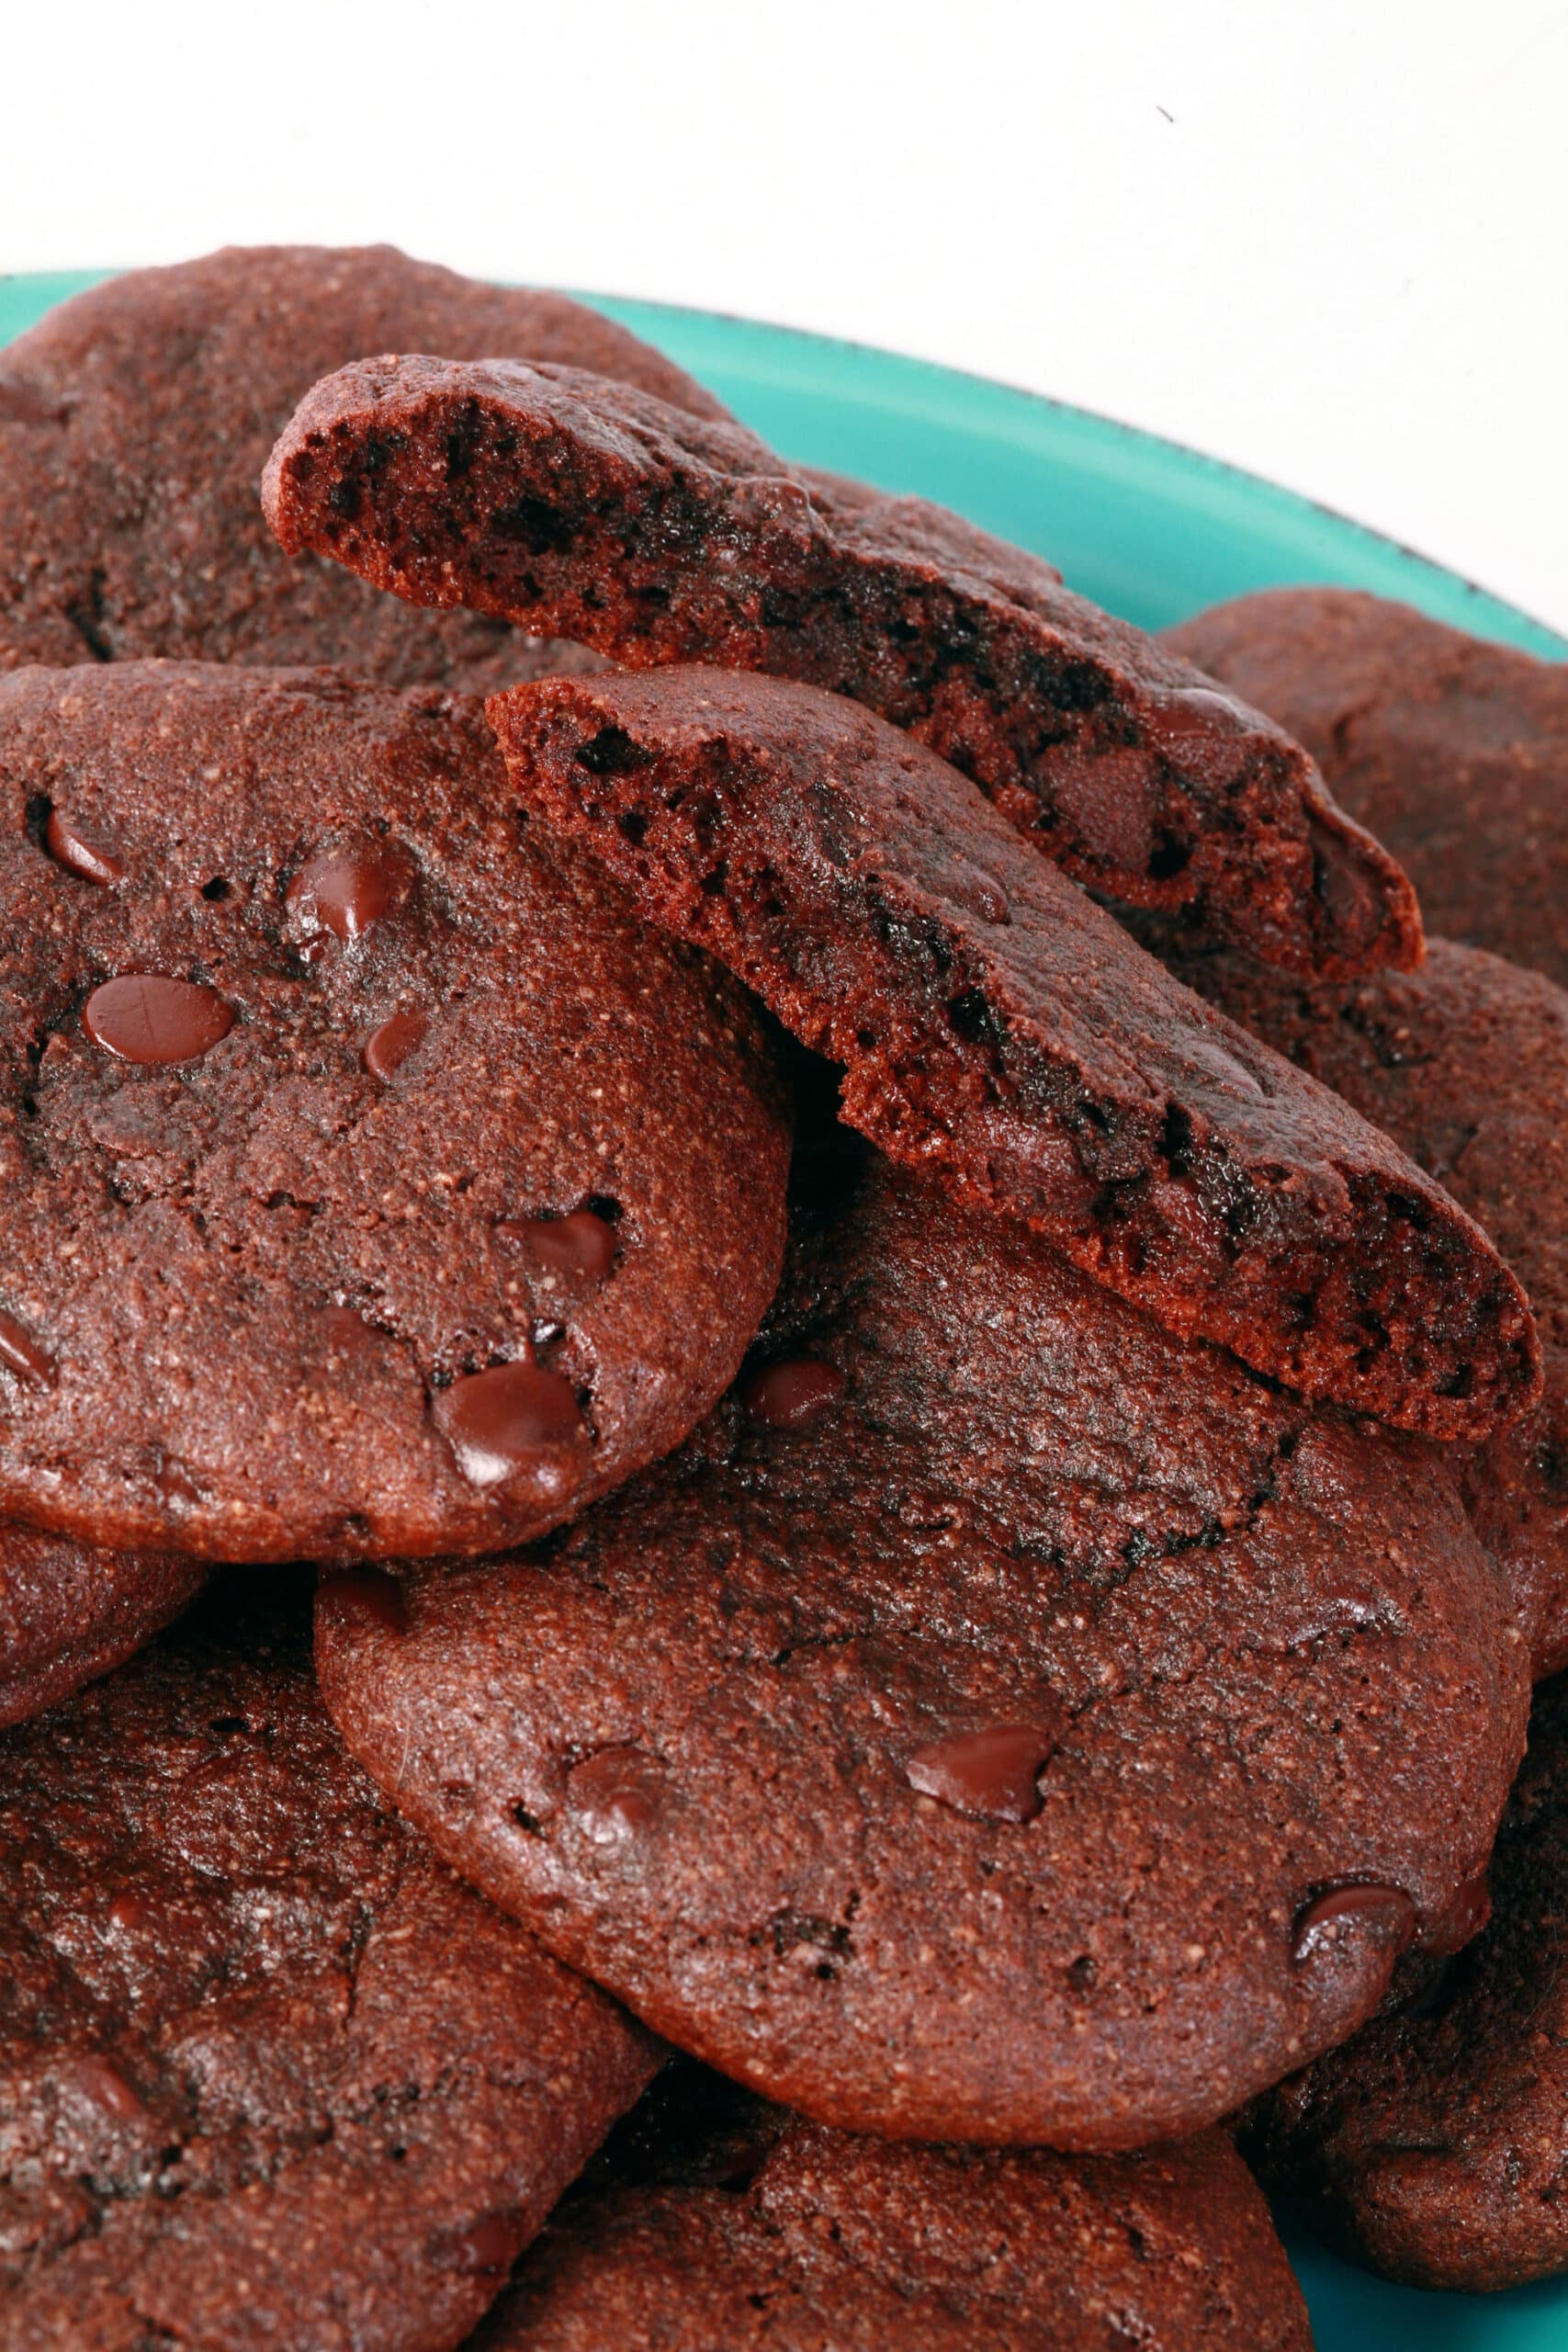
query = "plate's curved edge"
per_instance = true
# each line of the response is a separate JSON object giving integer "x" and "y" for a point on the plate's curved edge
{"x": 1420, "y": 578}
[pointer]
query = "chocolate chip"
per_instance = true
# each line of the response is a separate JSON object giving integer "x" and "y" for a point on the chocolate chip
{"x": 77, "y": 854}
{"x": 786, "y": 1395}
{"x": 344, "y": 891}
{"x": 369, "y": 1593}
{"x": 21, "y": 1353}
{"x": 616, "y": 1795}
{"x": 388, "y": 1047}
{"x": 581, "y": 1243}
{"x": 144, "y": 1018}
{"x": 1384, "y": 1912}
{"x": 513, "y": 1419}
{"x": 991, "y": 1773}
{"x": 105, "y": 2087}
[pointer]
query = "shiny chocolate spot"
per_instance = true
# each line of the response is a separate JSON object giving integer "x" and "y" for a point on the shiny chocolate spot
{"x": 1462, "y": 1918}
{"x": 343, "y": 890}
{"x": 144, "y": 1018}
{"x": 386, "y": 1048}
{"x": 105, "y": 2089}
{"x": 368, "y": 1594}
{"x": 484, "y": 2247}
{"x": 990, "y": 1774}
{"x": 514, "y": 1419}
{"x": 579, "y": 1244}
{"x": 1385, "y": 1914}
{"x": 73, "y": 851}
{"x": 135, "y": 1915}
{"x": 788, "y": 1396}
{"x": 618, "y": 1794}
{"x": 21, "y": 1353}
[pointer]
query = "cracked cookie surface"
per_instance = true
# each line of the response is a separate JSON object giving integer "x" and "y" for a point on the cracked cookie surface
{"x": 134, "y": 424}
{"x": 373, "y": 1181}
{"x": 559, "y": 500}
{"x": 765, "y": 2230}
{"x": 1000, "y": 1723}
{"x": 269, "y": 2075}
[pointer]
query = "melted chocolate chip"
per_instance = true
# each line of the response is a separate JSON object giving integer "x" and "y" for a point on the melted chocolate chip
{"x": 21, "y": 1353}
{"x": 105, "y": 2087}
{"x": 486, "y": 2245}
{"x": 786, "y": 1395}
{"x": 344, "y": 891}
{"x": 616, "y": 1795}
{"x": 73, "y": 851}
{"x": 134, "y": 1915}
{"x": 386, "y": 1048}
{"x": 144, "y": 1018}
{"x": 1385, "y": 1912}
{"x": 579, "y": 1244}
{"x": 991, "y": 1773}
{"x": 513, "y": 1419}
{"x": 369, "y": 1593}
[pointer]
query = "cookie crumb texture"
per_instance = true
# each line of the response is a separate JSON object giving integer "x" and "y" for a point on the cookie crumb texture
{"x": 1465, "y": 1064}
{"x": 1452, "y": 750}
{"x": 1435, "y": 2146}
{"x": 134, "y": 424}
{"x": 812, "y": 2239}
{"x": 370, "y": 1180}
{"x": 1046, "y": 1733}
{"x": 549, "y": 497}
{"x": 70, "y": 1610}
{"x": 269, "y": 2075}
{"x": 995, "y": 1022}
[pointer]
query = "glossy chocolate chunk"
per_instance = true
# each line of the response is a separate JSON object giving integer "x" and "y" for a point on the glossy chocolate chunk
{"x": 1454, "y": 750}
{"x": 1465, "y": 1065}
{"x": 146, "y": 1018}
{"x": 764, "y": 2230}
{"x": 267, "y": 2063}
{"x": 134, "y": 422}
{"x": 788, "y": 1395}
{"x": 82, "y": 857}
{"x": 256, "y": 1300}
{"x": 657, "y": 536}
{"x": 579, "y": 1244}
{"x": 1049, "y": 1068}
{"x": 967, "y": 1763}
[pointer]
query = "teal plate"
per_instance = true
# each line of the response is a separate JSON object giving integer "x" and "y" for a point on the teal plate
{"x": 1155, "y": 532}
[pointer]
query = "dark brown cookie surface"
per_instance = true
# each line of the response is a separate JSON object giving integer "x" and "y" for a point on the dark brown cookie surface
{"x": 136, "y": 420}
{"x": 1465, "y": 1064}
{"x": 814, "y": 2241}
{"x": 269, "y": 2075}
{"x": 549, "y": 497}
{"x": 995, "y": 1023}
{"x": 1453, "y": 750}
{"x": 1435, "y": 2144}
{"x": 373, "y": 1181}
{"x": 1002, "y": 1722}
{"x": 69, "y": 1612}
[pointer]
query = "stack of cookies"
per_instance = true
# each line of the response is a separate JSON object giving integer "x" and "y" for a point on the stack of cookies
{"x": 784, "y": 1391}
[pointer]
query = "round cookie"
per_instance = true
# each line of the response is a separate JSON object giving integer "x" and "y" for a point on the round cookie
{"x": 136, "y": 419}
{"x": 270, "y": 2075}
{"x": 1002, "y": 1722}
{"x": 1435, "y": 2145}
{"x": 1452, "y": 750}
{"x": 372, "y": 1181}
{"x": 766, "y": 2230}
{"x": 1465, "y": 1064}
{"x": 69, "y": 1612}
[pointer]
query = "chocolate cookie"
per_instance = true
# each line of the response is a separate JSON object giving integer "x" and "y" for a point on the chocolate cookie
{"x": 1454, "y": 750}
{"x": 545, "y": 496}
{"x": 69, "y": 1612}
{"x": 136, "y": 419}
{"x": 1465, "y": 1063}
{"x": 1435, "y": 2144}
{"x": 1002, "y": 1722}
{"x": 802, "y": 2239}
{"x": 270, "y": 2075}
{"x": 997, "y": 1022}
{"x": 370, "y": 1180}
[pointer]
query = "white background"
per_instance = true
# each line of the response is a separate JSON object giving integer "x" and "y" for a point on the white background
{"x": 1327, "y": 239}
